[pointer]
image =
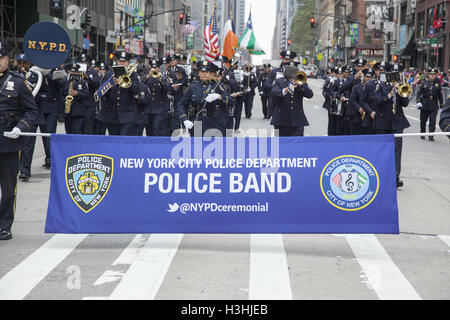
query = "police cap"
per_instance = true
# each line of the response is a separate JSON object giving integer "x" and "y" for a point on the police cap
{"x": 22, "y": 57}
{"x": 288, "y": 54}
{"x": 123, "y": 56}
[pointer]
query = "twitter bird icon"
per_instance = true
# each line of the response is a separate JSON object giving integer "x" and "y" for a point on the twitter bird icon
{"x": 173, "y": 207}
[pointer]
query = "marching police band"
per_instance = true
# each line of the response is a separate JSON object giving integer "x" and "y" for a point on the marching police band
{"x": 169, "y": 94}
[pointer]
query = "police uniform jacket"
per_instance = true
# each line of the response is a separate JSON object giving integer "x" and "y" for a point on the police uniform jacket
{"x": 430, "y": 95}
{"x": 50, "y": 96}
{"x": 357, "y": 99}
{"x": 120, "y": 104}
{"x": 158, "y": 102}
{"x": 288, "y": 109}
{"x": 272, "y": 77}
{"x": 143, "y": 100}
{"x": 17, "y": 109}
{"x": 79, "y": 108}
{"x": 194, "y": 101}
{"x": 347, "y": 90}
{"x": 230, "y": 80}
{"x": 385, "y": 118}
{"x": 327, "y": 92}
{"x": 93, "y": 82}
{"x": 250, "y": 82}
{"x": 261, "y": 81}
{"x": 172, "y": 73}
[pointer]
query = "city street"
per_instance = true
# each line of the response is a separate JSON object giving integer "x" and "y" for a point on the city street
{"x": 412, "y": 265}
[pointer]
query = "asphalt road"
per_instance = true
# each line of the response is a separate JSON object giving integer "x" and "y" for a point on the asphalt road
{"x": 413, "y": 265}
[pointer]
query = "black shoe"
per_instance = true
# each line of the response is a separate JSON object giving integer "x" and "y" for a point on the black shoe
{"x": 399, "y": 184}
{"x": 422, "y": 138}
{"x": 46, "y": 165}
{"x": 24, "y": 177}
{"x": 5, "y": 236}
{"x": 431, "y": 139}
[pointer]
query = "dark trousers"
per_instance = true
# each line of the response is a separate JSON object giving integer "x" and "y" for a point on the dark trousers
{"x": 26, "y": 157}
{"x": 9, "y": 169}
{"x": 424, "y": 116}
{"x": 51, "y": 124}
{"x": 238, "y": 112}
{"x": 127, "y": 129}
{"x": 156, "y": 125}
{"x": 265, "y": 106}
{"x": 89, "y": 120}
{"x": 355, "y": 128}
{"x": 99, "y": 128}
{"x": 74, "y": 125}
{"x": 332, "y": 125}
{"x": 248, "y": 102}
{"x": 290, "y": 131}
{"x": 398, "y": 150}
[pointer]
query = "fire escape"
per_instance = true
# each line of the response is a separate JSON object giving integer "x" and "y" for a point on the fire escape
{"x": 8, "y": 24}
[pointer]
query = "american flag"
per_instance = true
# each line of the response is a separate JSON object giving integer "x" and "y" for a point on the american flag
{"x": 211, "y": 39}
{"x": 337, "y": 180}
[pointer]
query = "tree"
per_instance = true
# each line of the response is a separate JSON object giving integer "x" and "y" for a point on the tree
{"x": 302, "y": 36}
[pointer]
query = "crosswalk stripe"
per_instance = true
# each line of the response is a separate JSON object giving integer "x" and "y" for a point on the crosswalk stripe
{"x": 147, "y": 272}
{"x": 446, "y": 239}
{"x": 383, "y": 275}
{"x": 20, "y": 281}
{"x": 269, "y": 274}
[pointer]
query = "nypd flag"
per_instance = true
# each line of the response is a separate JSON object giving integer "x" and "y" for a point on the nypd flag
{"x": 257, "y": 185}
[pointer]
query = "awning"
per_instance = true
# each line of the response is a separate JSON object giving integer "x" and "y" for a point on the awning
{"x": 408, "y": 52}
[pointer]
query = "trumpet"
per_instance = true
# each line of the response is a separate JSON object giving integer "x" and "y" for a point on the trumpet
{"x": 405, "y": 90}
{"x": 301, "y": 78}
{"x": 125, "y": 81}
{"x": 155, "y": 74}
{"x": 69, "y": 100}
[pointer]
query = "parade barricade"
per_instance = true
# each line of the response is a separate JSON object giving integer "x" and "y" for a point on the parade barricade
{"x": 109, "y": 185}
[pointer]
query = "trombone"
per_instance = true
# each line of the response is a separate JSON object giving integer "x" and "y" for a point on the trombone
{"x": 405, "y": 90}
{"x": 125, "y": 81}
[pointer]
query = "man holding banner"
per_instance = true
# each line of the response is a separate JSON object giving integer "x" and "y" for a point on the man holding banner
{"x": 18, "y": 111}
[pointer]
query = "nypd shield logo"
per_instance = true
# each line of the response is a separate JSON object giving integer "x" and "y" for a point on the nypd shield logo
{"x": 88, "y": 179}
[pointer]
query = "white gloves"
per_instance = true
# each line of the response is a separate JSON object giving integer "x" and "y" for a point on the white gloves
{"x": 212, "y": 97}
{"x": 15, "y": 134}
{"x": 188, "y": 124}
{"x": 419, "y": 105}
{"x": 280, "y": 75}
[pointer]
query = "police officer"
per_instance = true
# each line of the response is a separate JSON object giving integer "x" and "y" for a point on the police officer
{"x": 278, "y": 73}
{"x": 120, "y": 111}
{"x": 178, "y": 80}
{"x": 18, "y": 111}
{"x": 339, "y": 102}
{"x": 93, "y": 81}
{"x": 158, "y": 106}
{"x": 289, "y": 117}
{"x": 389, "y": 117}
{"x": 250, "y": 84}
{"x": 206, "y": 100}
{"x": 357, "y": 99}
{"x": 429, "y": 101}
{"x": 228, "y": 78}
{"x": 104, "y": 74}
{"x": 265, "y": 95}
{"x": 23, "y": 66}
{"x": 76, "y": 89}
{"x": 330, "y": 102}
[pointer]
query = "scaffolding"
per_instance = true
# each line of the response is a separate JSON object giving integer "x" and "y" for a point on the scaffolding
{"x": 8, "y": 22}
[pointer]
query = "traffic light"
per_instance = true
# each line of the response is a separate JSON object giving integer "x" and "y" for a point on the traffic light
{"x": 289, "y": 43}
{"x": 313, "y": 23}
{"x": 395, "y": 58}
{"x": 111, "y": 56}
{"x": 181, "y": 18}
{"x": 188, "y": 19}
{"x": 87, "y": 22}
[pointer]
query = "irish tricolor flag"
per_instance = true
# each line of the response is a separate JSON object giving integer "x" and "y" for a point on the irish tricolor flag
{"x": 248, "y": 40}
{"x": 231, "y": 40}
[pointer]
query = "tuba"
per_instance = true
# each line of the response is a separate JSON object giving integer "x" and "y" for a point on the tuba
{"x": 301, "y": 78}
{"x": 125, "y": 81}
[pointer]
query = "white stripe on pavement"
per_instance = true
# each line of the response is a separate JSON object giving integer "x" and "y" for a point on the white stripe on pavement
{"x": 446, "y": 239}
{"x": 147, "y": 272}
{"x": 20, "y": 281}
{"x": 269, "y": 274}
{"x": 128, "y": 256}
{"x": 382, "y": 274}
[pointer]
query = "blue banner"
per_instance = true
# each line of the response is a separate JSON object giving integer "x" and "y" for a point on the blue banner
{"x": 255, "y": 185}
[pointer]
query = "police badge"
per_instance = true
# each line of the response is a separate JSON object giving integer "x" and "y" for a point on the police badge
{"x": 88, "y": 178}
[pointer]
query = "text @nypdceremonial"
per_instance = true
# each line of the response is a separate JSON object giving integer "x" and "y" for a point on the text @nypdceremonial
{"x": 202, "y": 176}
